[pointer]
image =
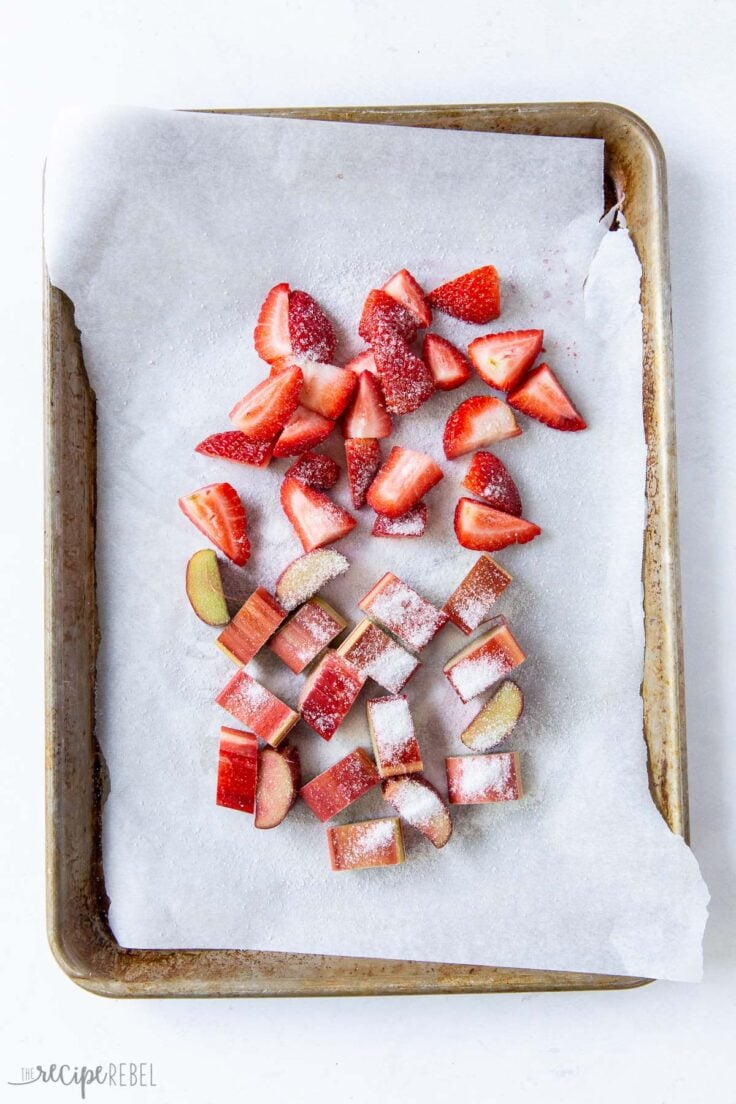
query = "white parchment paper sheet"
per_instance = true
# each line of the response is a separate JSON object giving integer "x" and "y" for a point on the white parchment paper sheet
{"x": 166, "y": 230}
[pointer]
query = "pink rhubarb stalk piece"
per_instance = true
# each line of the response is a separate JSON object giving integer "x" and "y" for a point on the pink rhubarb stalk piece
{"x": 471, "y": 602}
{"x": 329, "y": 693}
{"x": 306, "y": 634}
{"x": 340, "y": 785}
{"x": 307, "y": 574}
{"x": 279, "y": 775}
{"x": 395, "y": 745}
{"x": 257, "y": 708}
{"x": 251, "y": 627}
{"x": 377, "y": 656}
{"x": 420, "y": 805}
{"x": 368, "y": 843}
{"x": 237, "y": 770}
{"x": 402, "y": 611}
{"x": 482, "y": 779}
{"x": 484, "y": 661}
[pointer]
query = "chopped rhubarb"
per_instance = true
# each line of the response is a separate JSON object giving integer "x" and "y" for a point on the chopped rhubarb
{"x": 367, "y": 415}
{"x": 340, "y": 785}
{"x": 473, "y": 297}
{"x": 402, "y": 482}
{"x": 470, "y": 604}
{"x": 363, "y": 456}
{"x": 279, "y": 777}
{"x": 478, "y": 421}
{"x": 484, "y": 529}
{"x": 310, "y": 330}
{"x": 405, "y": 290}
{"x": 484, "y": 661}
{"x": 204, "y": 588}
{"x": 402, "y": 611}
{"x": 411, "y": 524}
{"x": 496, "y": 720}
{"x": 377, "y": 656}
{"x": 237, "y": 770}
{"x": 489, "y": 479}
{"x": 304, "y": 430}
{"x": 395, "y": 746}
{"x": 251, "y": 627}
{"x": 314, "y": 469}
{"x": 235, "y": 446}
{"x": 265, "y": 410}
{"x": 368, "y": 843}
{"x": 420, "y": 805}
{"x": 315, "y": 517}
{"x": 257, "y": 708}
{"x": 307, "y": 574}
{"x": 329, "y": 693}
{"x": 482, "y": 779}
{"x": 449, "y": 367}
{"x": 501, "y": 359}
{"x": 306, "y": 634}
{"x": 217, "y": 512}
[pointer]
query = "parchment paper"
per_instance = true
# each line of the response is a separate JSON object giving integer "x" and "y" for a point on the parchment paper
{"x": 166, "y": 230}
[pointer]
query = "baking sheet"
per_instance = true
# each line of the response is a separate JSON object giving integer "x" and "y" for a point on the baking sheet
{"x": 167, "y": 260}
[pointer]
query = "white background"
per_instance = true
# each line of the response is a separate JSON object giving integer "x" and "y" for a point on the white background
{"x": 672, "y": 62}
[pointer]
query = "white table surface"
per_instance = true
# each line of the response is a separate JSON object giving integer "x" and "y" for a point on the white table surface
{"x": 672, "y": 62}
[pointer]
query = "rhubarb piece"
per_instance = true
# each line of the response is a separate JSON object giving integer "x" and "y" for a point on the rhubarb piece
{"x": 234, "y": 445}
{"x": 256, "y": 620}
{"x": 541, "y": 396}
{"x": 473, "y": 297}
{"x": 306, "y": 634}
{"x": 368, "y": 843}
{"x": 484, "y": 529}
{"x": 377, "y": 656}
{"x": 307, "y": 574}
{"x": 402, "y": 611}
{"x": 395, "y": 746}
{"x": 382, "y": 314}
{"x": 271, "y": 336}
{"x": 488, "y": 478}
{"x": 363, "y": 362}
{"x": 340, "y": 785}
{"x": 237, "y": 769}
{"x": 405, "y": 290}
{"x": 470, "y": 604}
{"x": 257, "y": 708}
{"x": 328, "y": 695}
{"x": 279, "y": 777}
{"x": 449, "y": 367}
{"x": 326, "y": 389}
{"x": 314, "y": 469}
{"x": 363, "y": 456}
{"x": 411, "y": 524}
{"x": 367, "y": 415}
{"x": 406, "y": 381}
{"x": 484, "y": 661}
{"x": 204, "y": 588}
{"x": 482, "y": 779}
{"x": 477, "y": 422}
{"x": 317, "y": 520}
{"x": 419, "y": 804}
{"x": 303, "y": 431}
{"x": 496, "y": 720}
{"x": 310, "y": 330}
{"x": 403, "y": 480}
{"x": 501, "y": 359}
{"x": 217, "y": 512}
{"x": 264, "y": 411}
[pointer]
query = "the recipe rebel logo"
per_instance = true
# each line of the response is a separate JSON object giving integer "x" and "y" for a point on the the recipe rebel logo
{"x": 116, "y": 1075}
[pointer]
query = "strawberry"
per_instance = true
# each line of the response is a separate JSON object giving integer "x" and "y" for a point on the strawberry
{"x": 449, "y": 367}
{"x": 310, "y": 330}
{"x": 381, "y": 312}
{"x": 367, "y": 415}
{"x": 363, "y": 362}
{"x": 234, "y": 445}
{"x": 303, "y": 431}
{"x": 474, "y": 297}
{"x": 476, "y": 422}
{"x": 314, "y": 469}
{"x": 485, "y": 529}
{"x": 315, "y": 517}
{"x": 217, "y": 512}
{"x": 488, "y": 478}
{"x": 271, "y": 335}
{"x": 405, "y": 290}
{"x": 327, "y": 389}
{"x": 406, "y": 380}
{"x": 363, "y": 455}
{"x": 411, "y": 524}
{"x": 402, "y": 481}
{"x": 541, "y": 396}
{"x": 265, "y": 410}
{"x": 501, "y": 359}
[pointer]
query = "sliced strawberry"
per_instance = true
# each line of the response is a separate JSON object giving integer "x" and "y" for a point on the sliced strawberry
{"x": 314, "y": 469}
{"x": 474, "y": 297}
{"x": 363, "y": 362}
{"x": 315, "y": 517}
{"x": 271, "y": 335}
{"x": 403, "y": 480}
{"x": 327, "y": 389}
{"x": 406, "y": 381}
{"x": 449, "y": 367}
{"x": 363, "y": 455}
{"x": 264, "y": 411}
{"x": 478, "y": 421}
{"x": 381, "y": 312}
{"x": 310, "y": 329}
{"x": 484, "y": 529}
{"x": 367, "y": 415}
{"x": 405, "y": 290}
{"x": 304, "y": 430}
{"x": 541, "y": 396}
{"x": 217, "y": 512}
{"x": 234, "y": 445}
{"x": 411, "y": 524}
{"x": 488, "y": 478}
{"x": 501, "y": 359}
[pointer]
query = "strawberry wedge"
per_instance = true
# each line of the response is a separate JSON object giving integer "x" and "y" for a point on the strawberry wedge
{"x": 449, "y": 367}
{"x": 473, "y": 297}
{"x": 265, "y": 410}
{"x": 217, "y": 512}
{"x": 541, "y": 396}
{"x": 402, "y": 482}
{"x": 235, "y": 446}
{"x": 314, "y": 469}
{"x": 326, "y": 389}
{"x": 271, "y": 336}
{"x": 303, "y": 431}
{"x": 363, "y": 456}
{"x": 383, "y": 314}
{"x": 488, "y": 478}
{"x": 411, "y": 524}
{"x": 406, "y": 381}
{"x": 484, "y": 529}
{"x": 310, "y": 330}
{"x": 405, "y": 290}
{"x": 480, "y": 420}
{"x": 367, "y": 415}
{"x": 501, "y": 359}
{"x": 363, "y": 362}
{"x": 315, "y": 517}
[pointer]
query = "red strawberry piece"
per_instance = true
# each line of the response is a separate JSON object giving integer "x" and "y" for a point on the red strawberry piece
{"x": 264, "y": 411}
{"x": 237, "y": 769}
{"x": 363, "y": 455}
{"x": 314, "y": 469}
{"x": 326, "y": 389}
{"x": 449, "y": 367}
{"x": 363, "y": 362}
{"x": 403, "y": 480}
{"x": 474, "y": 297}
{"x": 304, "y": 430}
{"x": 411, "y": 524}
{"x": 367, "y": 415}
{"x": 271, "y": 335}
{"x": 310, "y": 330}
{"x": 488, "y": 478}
{"x": 381, "y": 312}
{"x": 405, "y": 290}
{"x": 406, "y": 381}
{"x": 234, "y": 445}
{"x": 541, "y": 396}
{"x": 486, "y": 529}
{"x": 315, "y": 517}
{"x": 217, "y": 512}
{"x": 501, "y": 359}
{"x": 476, "y": 422}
